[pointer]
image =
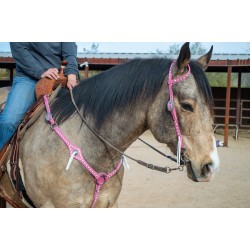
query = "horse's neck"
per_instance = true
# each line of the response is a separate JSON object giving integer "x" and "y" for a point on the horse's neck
{"x": 121, "y": 130}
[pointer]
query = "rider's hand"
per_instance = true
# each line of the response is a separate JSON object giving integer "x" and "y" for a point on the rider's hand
{"x": 72, "y": 82}
{"x": 51, "y": 74}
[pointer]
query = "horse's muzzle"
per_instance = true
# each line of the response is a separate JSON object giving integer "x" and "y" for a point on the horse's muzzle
{"x": 205, "y": 174}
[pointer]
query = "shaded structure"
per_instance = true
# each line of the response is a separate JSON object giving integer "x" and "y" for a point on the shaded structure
{"x": 238, "y": 66}
{"x": 227, "y": 63}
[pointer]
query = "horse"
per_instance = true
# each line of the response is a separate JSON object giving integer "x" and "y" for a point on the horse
{"x": 120, "y": 104}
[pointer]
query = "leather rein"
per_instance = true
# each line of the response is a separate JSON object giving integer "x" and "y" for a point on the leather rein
{"x": 181, "y": 160}
{"x": 145, "y": 164}
{"x": 101, "y": 178}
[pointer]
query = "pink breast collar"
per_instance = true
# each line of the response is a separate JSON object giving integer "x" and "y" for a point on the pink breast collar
{"x": 75, "y": 153}
{"x": 172, "y": 109}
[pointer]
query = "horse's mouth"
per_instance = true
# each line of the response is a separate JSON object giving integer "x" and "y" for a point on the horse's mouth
{"x": 190, "y": 172}
{"x": 202, "y": 177}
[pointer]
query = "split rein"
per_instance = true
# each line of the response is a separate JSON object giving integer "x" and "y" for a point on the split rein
{"x": 101, "y": 178}
{"x": 181, "y": 159}
{"x": 145, "y": 164}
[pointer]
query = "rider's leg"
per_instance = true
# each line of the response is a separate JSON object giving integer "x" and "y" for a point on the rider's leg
{"x": 20, "y": 99}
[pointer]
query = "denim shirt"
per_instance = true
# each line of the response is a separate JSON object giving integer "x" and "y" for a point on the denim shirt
{"x": 33, "y": 59}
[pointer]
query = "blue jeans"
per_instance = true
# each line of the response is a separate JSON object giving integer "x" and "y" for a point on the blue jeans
{"x": 20, "y": 99}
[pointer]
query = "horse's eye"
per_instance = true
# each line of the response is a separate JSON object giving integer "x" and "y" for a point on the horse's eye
{"x": 186, "y": 106}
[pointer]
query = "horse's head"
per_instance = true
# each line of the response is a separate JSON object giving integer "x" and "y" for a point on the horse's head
{"x": 192, "y": 100}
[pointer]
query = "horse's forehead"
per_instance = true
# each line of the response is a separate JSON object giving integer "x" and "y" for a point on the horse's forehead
{"x": 188, "y": 88}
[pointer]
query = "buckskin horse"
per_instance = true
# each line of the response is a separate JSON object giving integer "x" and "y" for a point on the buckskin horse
{"x": 89, "y": 130}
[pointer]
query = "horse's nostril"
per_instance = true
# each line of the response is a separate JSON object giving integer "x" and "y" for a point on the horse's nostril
{"x": 207, "y": 169}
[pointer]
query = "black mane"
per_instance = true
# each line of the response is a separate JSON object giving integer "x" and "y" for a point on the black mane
{"x": 128, "y": 83}
{"x": 202, "y": 84}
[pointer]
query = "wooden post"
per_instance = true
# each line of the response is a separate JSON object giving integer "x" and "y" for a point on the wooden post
{"x": 229, "y": 72}
{"x": 2, "y": 203}
{"x": 86, "y": 70}
{"x": 238, "y": 100}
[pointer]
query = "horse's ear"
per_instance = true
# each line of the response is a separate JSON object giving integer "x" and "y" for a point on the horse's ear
{"x": 204, "y": 60}
{"x": 183, "y": 58}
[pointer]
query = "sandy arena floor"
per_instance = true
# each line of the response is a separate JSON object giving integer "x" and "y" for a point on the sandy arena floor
{"x": 151, "y": 189}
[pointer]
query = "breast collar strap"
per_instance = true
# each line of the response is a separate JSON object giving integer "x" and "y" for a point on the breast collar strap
{"x": 172, "y": 109}
{"x": 75, "y": 152}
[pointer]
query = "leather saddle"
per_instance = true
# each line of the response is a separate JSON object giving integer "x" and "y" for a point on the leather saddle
{"x": 44, "y": 86}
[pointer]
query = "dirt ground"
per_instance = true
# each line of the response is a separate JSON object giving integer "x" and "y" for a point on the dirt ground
{"x": 145, "y": 188}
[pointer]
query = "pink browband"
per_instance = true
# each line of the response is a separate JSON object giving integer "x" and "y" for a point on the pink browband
{"x": 75, "y": 153}
{"x": 172, "y": 109}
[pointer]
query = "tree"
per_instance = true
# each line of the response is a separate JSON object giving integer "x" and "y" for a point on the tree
{"x": 93, "y": 49}
{"x": 197, "y": 49}
{"x": 158, "y": 51}
{"x": 174, "y": 49}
